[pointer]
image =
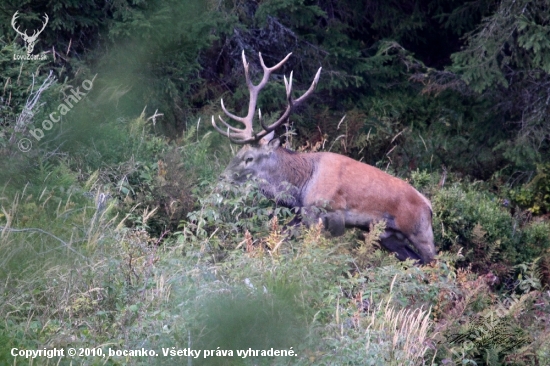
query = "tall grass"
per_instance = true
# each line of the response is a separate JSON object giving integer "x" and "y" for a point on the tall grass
{"x": 407, "y": 333}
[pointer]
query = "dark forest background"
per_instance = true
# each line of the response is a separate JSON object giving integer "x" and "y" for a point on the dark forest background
{"x": 462, "y": 84}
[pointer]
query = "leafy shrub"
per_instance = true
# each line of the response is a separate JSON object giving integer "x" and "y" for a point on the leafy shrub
{"x": 476, "y": 221}
{"x": 535, "y": 195}
{"x": 231, "y": 210}
{"x": 534, "y": 242}
{"x": 493, "y": 239}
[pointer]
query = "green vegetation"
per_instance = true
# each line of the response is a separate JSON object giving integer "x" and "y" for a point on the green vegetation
{"x": 116, "y": 234}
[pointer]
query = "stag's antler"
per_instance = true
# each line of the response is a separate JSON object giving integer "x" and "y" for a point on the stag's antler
{"x": 247, "y": 135}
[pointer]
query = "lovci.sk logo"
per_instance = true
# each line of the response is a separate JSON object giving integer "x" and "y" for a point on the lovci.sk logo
{"x": 29, "y": 40}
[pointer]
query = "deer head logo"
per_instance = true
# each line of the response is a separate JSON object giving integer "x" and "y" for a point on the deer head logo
{"x": 29, "y": 40}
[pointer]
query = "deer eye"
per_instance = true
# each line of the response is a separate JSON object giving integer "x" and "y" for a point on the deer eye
{"x": 249, "y": 160}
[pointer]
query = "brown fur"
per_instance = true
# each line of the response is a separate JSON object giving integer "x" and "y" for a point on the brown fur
{"x": 351, "y": 193}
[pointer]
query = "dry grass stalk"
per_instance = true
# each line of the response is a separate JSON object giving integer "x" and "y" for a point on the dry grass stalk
{"x": 408, "y": 331}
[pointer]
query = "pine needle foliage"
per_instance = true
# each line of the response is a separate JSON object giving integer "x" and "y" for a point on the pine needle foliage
{"x": 508, "y": 60}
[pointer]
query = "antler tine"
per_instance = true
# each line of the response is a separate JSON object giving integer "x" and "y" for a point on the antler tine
{"x": 288, "y": 86}
{"x": 228, "y": 125}
{"x": 227, "y": 133}
{"x": 273, "y": 68}
{"x": 231, "y": 115}
{"x": 290, "y": 103}
{"x": 269, "y": 70}
{"x": 311, "y": 88}
{"x": 246, "y": 74}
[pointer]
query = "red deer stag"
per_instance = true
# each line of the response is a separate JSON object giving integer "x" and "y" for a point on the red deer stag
{"x": 338, "y": 190}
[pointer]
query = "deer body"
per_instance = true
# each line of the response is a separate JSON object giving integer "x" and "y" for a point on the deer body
{"x": 336, "y": 189}
{"x": 350, "y": 194}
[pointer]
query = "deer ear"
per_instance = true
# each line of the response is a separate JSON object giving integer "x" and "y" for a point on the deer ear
{"x": 274, "y": 143}
{"x": 267, "y": 138}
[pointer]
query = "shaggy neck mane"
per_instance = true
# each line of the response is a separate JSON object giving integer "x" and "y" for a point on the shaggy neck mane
{"x": 295, "y": 168}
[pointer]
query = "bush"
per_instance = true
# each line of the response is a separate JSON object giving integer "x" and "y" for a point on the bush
{"x": 534, "y": 242}
{"x": 476, "y": 222}
{"x": 492, "y": 239}
{"x": 535, "y": 195}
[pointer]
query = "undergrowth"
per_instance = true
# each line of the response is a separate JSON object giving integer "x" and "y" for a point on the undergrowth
{"x": 80, "y": 268}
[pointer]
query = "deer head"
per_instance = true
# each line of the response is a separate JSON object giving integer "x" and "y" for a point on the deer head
{"x": 29, "y": 40}
{"x": 247, "y": 135}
